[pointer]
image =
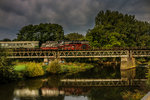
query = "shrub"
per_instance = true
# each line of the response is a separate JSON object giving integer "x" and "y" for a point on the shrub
{"x": 54, "y": 67}
{"x": 34, "y": 69}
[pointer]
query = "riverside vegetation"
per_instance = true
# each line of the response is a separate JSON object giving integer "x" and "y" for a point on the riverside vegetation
{"x": 33, "y": 69}
{"x": 10, "y": 70}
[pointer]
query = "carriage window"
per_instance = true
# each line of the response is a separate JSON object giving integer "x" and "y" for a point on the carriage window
{"x": 83, "y": 46}
{"x": 2, "y": 45}
{"x": 6, "y": 44}
{"x": 29, "y": 43}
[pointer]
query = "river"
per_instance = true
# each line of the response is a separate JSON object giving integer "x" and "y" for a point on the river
{"x": 49, "y": 88}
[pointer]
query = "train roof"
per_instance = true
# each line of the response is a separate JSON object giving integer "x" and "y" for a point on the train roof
{"x": 19, "y": 41}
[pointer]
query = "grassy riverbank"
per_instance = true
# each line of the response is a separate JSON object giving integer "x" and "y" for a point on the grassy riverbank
{"x": 33, "y": 69}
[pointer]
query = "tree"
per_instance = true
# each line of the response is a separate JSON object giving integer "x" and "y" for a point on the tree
{"x": 6, "y": 70}
{"x": 116, "y": 29}
{"x": 74, "y": 36}
{"x": 6, "y": 39}
{"x": 42, "y": 32}
{"x": 101, "y": 37}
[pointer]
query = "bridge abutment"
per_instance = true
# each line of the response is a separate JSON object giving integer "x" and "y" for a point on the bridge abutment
{"x": 127, "y": 63}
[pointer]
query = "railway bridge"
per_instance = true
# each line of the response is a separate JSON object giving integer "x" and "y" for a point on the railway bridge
{"x": 127, "y": 56}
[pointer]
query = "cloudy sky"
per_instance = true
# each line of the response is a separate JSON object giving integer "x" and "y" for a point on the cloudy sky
{"x": 73, "y": 15}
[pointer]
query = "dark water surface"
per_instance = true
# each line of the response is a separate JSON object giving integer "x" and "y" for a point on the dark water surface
{"x": 49, "y": 88}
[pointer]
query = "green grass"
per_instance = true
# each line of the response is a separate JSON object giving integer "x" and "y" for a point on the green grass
{"x": 19, "y": 67}
{"x": 75, "y": 68}
{"x": 65, "y": 68}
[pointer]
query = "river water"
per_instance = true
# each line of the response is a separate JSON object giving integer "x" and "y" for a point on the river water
{"x": 49, "y": 88}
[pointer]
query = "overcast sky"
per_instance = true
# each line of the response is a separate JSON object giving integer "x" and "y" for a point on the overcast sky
{"x": 73, "y": 15}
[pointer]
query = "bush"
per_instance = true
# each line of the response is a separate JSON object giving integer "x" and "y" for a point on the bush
{"x": 34, "y": 69}
{"x": 54, "y": 67}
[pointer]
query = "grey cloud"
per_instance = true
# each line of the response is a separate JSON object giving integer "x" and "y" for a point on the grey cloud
{"x": 73, "y": 15}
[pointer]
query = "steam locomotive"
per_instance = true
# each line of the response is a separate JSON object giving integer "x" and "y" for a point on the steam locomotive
{"x": 65, "y": 45}
{"x": 49, "y": 45}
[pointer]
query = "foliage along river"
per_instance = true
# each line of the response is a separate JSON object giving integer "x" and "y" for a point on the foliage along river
{"x": 48, "y": 88}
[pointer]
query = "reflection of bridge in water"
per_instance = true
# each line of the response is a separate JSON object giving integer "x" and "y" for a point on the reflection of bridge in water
{"x": 102, "y": 82}
{"x": 75, "y": 86}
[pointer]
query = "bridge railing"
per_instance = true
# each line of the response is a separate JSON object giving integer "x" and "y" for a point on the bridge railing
{"x": 78, "y": 54}
{"x": 140, "y": 53}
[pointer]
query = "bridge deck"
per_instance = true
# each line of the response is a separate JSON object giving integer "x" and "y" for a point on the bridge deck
{"x": 78, "y": 54}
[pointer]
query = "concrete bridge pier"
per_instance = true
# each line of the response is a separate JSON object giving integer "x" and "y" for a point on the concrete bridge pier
{"x": 127, "y": 63}
{"x": 128, "y": 74}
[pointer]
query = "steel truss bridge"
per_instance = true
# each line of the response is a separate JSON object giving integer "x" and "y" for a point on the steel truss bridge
{"x": 102, "y": 82}
{"x": 77, "y": 54}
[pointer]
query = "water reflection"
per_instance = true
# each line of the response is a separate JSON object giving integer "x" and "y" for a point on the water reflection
{"x": 51, "y": 92}
{"x": 76, "y": 98}
{"x": 50, "y": 88}
{"x": 72, "y": 93}
{"x": 26, "y": 92}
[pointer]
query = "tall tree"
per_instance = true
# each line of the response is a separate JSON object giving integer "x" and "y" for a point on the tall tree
{"x": 74, "y": 36}
{"x": 116, "y": 29}
{"x": 42, "y": 32}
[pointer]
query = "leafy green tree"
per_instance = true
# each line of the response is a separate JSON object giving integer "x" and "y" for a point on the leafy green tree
{"x": 101, "y": 37}
{"x": 74, "y": 36}
{"x": 7, "y": 72}
{"x": 116, "y": 29}
{"x": 42, "y": 32}
{"x": 6, "y": 39}
{"x": 4, "y": 61}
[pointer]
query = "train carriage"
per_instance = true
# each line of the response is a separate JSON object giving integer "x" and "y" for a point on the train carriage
{"x": 19, "y": 44}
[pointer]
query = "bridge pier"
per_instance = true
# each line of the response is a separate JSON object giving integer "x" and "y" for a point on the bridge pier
{"x": 127, "y": 63}
{"x": 128, "y": 74}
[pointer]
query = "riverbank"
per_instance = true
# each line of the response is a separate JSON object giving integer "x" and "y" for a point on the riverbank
{"x": 34, "y": 69}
